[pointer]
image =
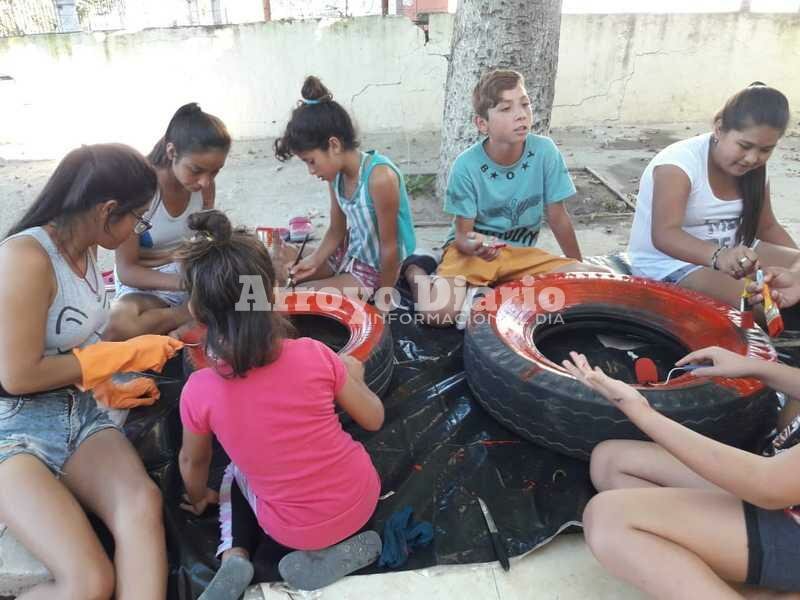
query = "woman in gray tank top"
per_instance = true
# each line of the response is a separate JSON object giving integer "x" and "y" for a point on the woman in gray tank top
{"x": 59, "y": 451}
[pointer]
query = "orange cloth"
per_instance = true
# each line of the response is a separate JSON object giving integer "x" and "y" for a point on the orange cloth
{"x": 143, "y": 353}
{"x": 141, "y": 391}
{"x": 512, "y": 263}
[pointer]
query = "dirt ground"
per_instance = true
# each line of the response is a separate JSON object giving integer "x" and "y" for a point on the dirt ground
{"x": 255, "y": 189}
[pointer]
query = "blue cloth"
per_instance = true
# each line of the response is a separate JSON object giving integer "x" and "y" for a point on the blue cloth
{"x": 401, "y": 534}
{"x": 507, "y": 201}
{"x": 145, "y": 240}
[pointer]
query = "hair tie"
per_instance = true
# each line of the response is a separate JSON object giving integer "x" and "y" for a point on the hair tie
{"x": 310, "y": 102}
{"x": 202, "y": 236}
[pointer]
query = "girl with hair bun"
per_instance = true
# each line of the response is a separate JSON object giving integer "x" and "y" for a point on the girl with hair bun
{"x": 295, "y": 475}
{"x": 371, "y": 230}
{"x": 187, "y": 158}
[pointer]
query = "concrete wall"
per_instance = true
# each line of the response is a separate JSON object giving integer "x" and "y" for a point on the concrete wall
{"x": 659, "y": 68}
{"x": 62, "y": 89}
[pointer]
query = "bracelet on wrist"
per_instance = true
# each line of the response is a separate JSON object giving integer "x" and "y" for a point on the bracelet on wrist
{"x": 715, "y": 256}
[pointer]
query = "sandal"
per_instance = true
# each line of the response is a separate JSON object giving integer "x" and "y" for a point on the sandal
{"x": 311, "y": 570}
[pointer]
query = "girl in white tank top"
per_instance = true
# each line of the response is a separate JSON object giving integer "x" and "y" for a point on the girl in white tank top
{"x": 149, "y": 298}
{"x": 703, "y": 217}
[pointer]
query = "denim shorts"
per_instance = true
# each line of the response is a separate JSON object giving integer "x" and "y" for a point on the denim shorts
{"x": 50, "y": 426}
{"x": 170, "y": 298}
{"x": 773, "y": 543}
{"x": 679, "y": 275}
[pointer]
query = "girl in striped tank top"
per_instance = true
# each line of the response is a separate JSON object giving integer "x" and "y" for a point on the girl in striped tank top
{"x": 371, "y": 230}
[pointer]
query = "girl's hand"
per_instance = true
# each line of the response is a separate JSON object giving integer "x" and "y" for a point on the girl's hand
{"x": 475, "y": 242}
{"x": 618, "y": 392}
{"x": 305, "y": 268}
{"x": 784, "y": 287}
{"x": 738, "y": 261}
{"x": 198, "y": 508}
{"x": 724, "y": 363}
{"x": 184, "y": 330}
{"x": 355, "y": 368}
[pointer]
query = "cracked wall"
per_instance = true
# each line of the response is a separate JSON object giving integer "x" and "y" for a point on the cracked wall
{"x": 63, "y": 89}
{"x": 665, "y": 68}
{"x": 66, "y": 89}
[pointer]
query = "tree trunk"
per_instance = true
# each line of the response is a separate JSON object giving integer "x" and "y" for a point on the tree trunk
{"x": 515, "y": 34}
{"x": 267, "y": 11}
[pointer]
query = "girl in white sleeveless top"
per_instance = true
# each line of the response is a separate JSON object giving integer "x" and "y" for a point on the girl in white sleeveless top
{"x": 703, "y": 217}
{"x": 149, "y": 298}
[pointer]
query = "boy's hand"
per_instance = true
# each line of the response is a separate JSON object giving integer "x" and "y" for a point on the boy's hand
{"x": 724, "y": 363}
{"x": 784, "y": 287}
{"x": 199, "y": 507}
{"x": 355, "y": 368}
{"x": 476, "y": 242}
{"x": 618, "y": 392}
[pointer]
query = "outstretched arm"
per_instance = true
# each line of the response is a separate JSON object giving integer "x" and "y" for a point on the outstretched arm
{"x": 194, "y": 461}
{"x": 766, "y": 482}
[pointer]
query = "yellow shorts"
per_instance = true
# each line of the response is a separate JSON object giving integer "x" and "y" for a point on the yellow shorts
{"x": 511, "y": 263}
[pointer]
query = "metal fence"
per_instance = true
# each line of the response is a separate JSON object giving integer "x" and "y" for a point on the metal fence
{"x": 22, "y": 17}
{"x": 18, "y": 17}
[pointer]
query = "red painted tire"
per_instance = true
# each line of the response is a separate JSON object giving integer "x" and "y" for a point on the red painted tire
{"x": 534, "y": 396}
{"x": 366, "y": 336}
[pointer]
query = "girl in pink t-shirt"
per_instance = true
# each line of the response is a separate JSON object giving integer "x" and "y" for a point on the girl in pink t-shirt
{"x": 294, "y": 473}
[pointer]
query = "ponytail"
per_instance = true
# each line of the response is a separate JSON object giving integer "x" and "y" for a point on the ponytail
{"x": 756, "y": 105}
{"x": 190, "y": 130}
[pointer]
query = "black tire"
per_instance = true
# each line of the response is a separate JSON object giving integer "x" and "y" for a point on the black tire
{"x": 368, "y": 339}
{"x": 379, "y": 368}
{"x": 550, "y": 408}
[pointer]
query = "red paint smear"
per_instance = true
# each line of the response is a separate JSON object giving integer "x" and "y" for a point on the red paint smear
{"x": 697, "y": 320}
{"x": 364, "y": 322}
{"x": 499, "y": 442}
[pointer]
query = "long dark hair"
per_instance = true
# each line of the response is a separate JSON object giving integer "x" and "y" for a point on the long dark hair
{"x": 88, "y": 176}
{"x": 757, "y": 104}
{"x": 317, "y": 118}
{"x": 191, "y": 130}
{"x": 212, "y": 262}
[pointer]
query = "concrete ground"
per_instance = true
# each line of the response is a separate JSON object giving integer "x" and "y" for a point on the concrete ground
{"x": 257, "y": 190}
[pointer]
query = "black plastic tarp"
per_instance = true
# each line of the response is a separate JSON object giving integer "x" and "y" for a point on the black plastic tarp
{"x": 437, "y": 451}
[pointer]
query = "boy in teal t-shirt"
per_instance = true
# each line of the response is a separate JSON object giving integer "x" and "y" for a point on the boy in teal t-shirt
{"x": 498, "y": 192}
{"x": 507, "y": 201}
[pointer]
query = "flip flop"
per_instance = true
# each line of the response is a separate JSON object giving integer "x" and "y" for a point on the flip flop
{"x": 311, "y": 570}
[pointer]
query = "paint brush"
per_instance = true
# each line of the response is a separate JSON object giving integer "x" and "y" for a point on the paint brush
{"x": 291, "y": 281}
